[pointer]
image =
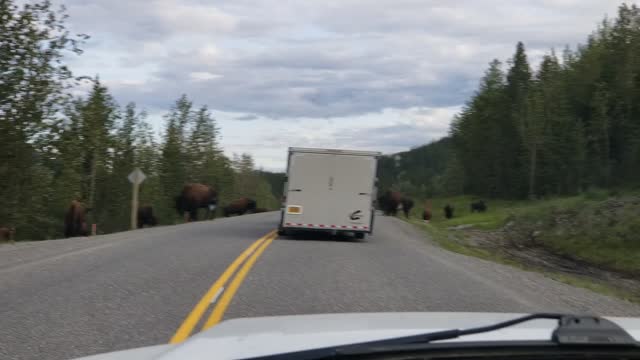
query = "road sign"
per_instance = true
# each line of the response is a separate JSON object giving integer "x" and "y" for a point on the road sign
{"x": 137, "y": 176}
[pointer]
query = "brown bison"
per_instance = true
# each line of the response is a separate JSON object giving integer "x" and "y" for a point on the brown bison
{"x": 448, "y": 211}
{"x": 194, "y": 197}
{"x": 426, "y": 214}
{"x": 7, "y": 233}
{"x": 75, "y": 221}
{"x": 240, "y": 207}
{"x": 389, "y": 202}
{"x": 145, "y": 217}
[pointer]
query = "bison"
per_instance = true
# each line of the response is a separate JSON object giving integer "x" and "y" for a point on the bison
{"x": 194, "y": 197}
{"x": 407, "y": 205}
{"x": 426, "y": 214}
{"x": 146, "y": 217}
{"x": 7, "y": 233}
{"x": 389, "y": 202}
{"x": 75, "y": 221}
{"x": 478, "y": 206}
{"x": 448, "y": 211}
{"x": 240, "y": 207}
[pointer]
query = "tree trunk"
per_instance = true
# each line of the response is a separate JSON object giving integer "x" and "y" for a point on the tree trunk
{"x": 532, "y": 171}
{"x": 92, "y": 184}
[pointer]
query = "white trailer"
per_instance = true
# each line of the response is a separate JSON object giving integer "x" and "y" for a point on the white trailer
{"x": 329, "y": 190}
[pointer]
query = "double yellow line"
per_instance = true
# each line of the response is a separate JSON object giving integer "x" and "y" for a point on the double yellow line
{"x": 252, "y": 252}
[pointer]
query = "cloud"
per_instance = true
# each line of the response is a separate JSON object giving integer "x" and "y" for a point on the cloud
{"x": 202, "y": 76}
{"x": 393, "y": 70}
{"x": 389, "y": 131}
{"x": 247, "y": 117}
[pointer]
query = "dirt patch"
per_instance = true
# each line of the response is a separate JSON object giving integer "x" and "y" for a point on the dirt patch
{"x": 541, "y": 258}
{"x": 521, "y": 242}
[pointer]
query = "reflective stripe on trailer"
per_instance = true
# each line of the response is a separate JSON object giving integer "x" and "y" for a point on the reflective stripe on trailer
{"x": 331, "y": 226}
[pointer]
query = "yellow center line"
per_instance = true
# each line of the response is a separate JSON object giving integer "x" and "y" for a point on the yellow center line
{"x": 192, "y": 319}
{"x": 225, "y": 300}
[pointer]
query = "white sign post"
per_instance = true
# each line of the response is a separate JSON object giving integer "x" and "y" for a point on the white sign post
{"x": 136, "y": 178}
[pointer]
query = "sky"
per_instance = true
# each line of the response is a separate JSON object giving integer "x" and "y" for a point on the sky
{"x": 384, "y": 75}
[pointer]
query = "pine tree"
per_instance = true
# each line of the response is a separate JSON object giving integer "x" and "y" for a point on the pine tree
{"x": 478, "y": 136}
{"x": 124, "y": 161}
{"x": 513, "y": 128}
{"x": 33, "y": 39}
{"x": 203, "y": 149}
{"x": 598, "y": 139}
{"x": 174, "y": 160}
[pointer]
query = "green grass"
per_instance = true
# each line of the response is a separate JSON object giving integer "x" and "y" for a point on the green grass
{"x": 498, "y": 213}
{"x": 594, "y": 235}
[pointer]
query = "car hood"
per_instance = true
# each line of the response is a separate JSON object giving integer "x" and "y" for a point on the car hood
{"x": 260, "y": 336}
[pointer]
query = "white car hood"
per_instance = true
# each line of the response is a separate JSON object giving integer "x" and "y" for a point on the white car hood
{"x": 260, "y": 336}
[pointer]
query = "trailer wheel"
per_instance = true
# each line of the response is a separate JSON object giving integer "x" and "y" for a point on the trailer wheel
{"x": 360, "y": 235}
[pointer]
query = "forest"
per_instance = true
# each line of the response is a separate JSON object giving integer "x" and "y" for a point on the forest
{"x": 56, "y": 146}
{"x": 570, "y": 125}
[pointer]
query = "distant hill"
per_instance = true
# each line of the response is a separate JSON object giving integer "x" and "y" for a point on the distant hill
{"x": 419, "y": 171}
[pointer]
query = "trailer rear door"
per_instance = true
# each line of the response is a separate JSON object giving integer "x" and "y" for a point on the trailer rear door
{"x": 352, "y": 187}
{"x": 308, "y": 198}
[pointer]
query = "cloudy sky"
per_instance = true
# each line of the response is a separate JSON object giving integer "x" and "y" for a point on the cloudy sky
{"x": 382, "y": 75}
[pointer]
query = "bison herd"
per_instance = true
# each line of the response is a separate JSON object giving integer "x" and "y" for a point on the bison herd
{"x": 192, "y": 198}
{"x": 391, "y": 201}
{"x": 199, "y": 196}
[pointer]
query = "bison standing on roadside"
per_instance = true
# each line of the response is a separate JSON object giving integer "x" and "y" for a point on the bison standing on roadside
{"x": 240, "y": 207}
{"x": 7, "y": 233}
{"x": 389, "y": 202}
{"x": 146, "y": 217}
{"x": 407, "y": 205}
{"x": 194, "y": 197}
{"x": 426, "y": 214}
{"x": 75, "y": 221}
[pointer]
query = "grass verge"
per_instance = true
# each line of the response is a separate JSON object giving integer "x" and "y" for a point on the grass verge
{"x": 502, "y": 212}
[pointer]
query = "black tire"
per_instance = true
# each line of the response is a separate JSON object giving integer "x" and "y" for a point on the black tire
{"x": 360, "y": 235}
{"x": 282, "y": 232}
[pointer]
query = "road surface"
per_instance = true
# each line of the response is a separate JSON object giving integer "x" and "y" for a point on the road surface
{"x": 67, "y": 298}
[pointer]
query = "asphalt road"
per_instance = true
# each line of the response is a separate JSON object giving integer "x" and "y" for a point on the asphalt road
{"x": 67, "y": 298}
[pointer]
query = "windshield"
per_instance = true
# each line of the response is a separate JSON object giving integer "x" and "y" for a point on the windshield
{"x": 168, "y": 166}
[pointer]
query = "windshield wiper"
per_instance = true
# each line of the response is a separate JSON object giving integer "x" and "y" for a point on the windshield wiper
{"x": 571, "y": 330}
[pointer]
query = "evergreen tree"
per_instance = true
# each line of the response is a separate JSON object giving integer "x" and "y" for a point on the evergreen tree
{"x": 33, "y": 39}
{"x": 203, "y": 150}
{"x": 174, "y": 160}
{"x": 514, "y": 128}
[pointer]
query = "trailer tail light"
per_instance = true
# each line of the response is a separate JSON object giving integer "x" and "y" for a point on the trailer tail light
{"x": 294, "y": 209}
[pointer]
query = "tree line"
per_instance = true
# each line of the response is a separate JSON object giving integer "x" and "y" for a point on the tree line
{"x": 56, "y": 147}
{"x": 570, "y": 125}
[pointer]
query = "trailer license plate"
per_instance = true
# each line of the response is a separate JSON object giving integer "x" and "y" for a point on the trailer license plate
{"x": 294, "y": 210}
